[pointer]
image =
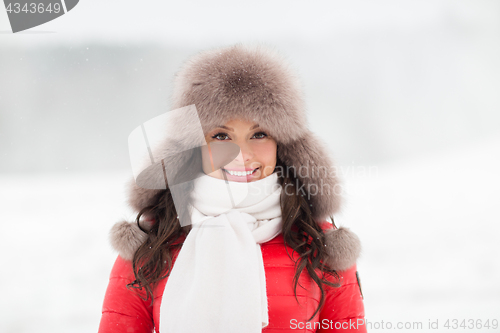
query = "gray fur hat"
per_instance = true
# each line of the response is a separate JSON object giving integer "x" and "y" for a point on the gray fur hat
{"x": 256, "y": 84}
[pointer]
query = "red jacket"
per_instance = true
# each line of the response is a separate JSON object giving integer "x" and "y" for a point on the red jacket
{"x": 125, "y": 311}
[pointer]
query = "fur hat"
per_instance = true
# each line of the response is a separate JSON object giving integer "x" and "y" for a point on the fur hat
{"x": 256, "y": 84}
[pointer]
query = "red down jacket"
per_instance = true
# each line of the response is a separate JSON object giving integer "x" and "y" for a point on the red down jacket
{"x": 343, "y": 311}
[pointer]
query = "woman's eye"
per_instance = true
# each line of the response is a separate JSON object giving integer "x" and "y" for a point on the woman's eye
{"x": 260, "y": 135}
{"x": 220, "y": 136}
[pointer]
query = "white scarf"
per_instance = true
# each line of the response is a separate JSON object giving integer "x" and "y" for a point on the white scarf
{"x": 218, "y": 282}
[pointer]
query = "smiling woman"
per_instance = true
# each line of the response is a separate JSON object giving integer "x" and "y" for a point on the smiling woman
{"x": 258, "y": 221}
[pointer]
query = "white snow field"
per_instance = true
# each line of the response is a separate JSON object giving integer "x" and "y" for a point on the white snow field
{"x": 430, "y": 232}
{"x": 429, "y": 228}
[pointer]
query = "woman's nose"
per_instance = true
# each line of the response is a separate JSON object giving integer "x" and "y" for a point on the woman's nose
{"x": 246, "y": 153}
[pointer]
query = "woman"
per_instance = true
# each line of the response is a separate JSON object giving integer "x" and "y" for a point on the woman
{"x": 257, "y": 253}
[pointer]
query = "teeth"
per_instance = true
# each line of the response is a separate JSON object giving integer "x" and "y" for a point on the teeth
{"x": 239, "y": 173}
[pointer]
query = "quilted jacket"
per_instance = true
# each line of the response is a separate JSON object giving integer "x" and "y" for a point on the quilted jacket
{"x": 343, "y": 311}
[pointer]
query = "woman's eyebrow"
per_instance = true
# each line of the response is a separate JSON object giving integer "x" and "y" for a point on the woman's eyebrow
{"x": 225, "y": 127}
{"x": 232, "y": 130}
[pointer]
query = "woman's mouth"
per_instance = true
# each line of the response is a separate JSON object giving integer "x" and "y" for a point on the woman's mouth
{"x": 240, "y": 173}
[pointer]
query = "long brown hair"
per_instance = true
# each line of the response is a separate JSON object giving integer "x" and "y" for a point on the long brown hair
{"x": 152, "y": 261}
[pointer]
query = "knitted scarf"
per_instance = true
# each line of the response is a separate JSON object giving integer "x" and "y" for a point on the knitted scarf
{"x": 218, "y": 283}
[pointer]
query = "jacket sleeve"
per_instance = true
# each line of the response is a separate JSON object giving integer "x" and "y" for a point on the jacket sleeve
{"x": 343, "y": 310}
{"x": 124, "y": 310}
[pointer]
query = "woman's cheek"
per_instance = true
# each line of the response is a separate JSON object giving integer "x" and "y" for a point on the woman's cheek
{"x": 266, "y": 153}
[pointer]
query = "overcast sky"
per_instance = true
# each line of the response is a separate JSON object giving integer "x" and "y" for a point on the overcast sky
{"x": 226, "y": 21}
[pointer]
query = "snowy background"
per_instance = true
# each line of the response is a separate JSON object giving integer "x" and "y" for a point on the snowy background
{"x": 404, "y": 93}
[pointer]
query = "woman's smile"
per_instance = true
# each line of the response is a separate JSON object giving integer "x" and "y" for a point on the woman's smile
{"x": 245, "y": 175}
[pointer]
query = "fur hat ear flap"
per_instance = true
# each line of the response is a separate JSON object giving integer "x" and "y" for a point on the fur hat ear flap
{"x": 140, "y": 197}
{"x": 343, "y": 247}
{"x": 170, "y": 158}
{"x": 309, "y": 161}
{"x": 126, "y": 238}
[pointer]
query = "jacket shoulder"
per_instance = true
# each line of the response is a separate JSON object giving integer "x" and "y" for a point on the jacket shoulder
{"x": 122, "y": 269}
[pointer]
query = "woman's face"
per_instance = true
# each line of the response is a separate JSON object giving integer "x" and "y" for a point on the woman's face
{"x": 257, "y": 157}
